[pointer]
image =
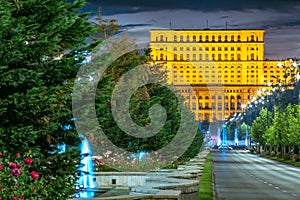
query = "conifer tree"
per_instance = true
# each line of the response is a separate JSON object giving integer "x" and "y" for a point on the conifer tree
{"x": 39, "y": 39}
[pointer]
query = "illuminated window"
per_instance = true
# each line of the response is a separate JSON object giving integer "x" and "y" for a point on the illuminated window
{"x": 194, "y": 56}
{"x": 232, "y": 38}
{"x": 226, "y": 38}
{"x": 194, "y": 38}
{"x": 200, "y": 38}
{"x": 175, "y": 38}
{"x": 226, "y": 57}
{"x": 219, "y": 38}
{"x": 232, "y": 57}
{"x": 161, "y": 38}
{"x": 161, "y": 56}
{"x": 187, "y": 38}
{"x": 188, "y": 56}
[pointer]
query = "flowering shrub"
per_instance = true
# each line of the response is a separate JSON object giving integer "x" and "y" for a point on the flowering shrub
{"x": 18, "y": 178}
{"x": 114, "y": 161}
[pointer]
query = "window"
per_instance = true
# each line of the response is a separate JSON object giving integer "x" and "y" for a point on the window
{"x": 188, "y": 48}
{"x": 194, "y": 38}
{"x": 161, "y": 38}
{"x": 226, "y": 38}
{"x": 194, "y": 48}
{"x": 213, "y": 48}
{"x": 206, "y": 57}
{"x": 219, "y": 38}
{"x": 175, "y": 56}
{"x": 225, "y": 48}
{"x": 238, "y": 38}
{"x": 232, "y": 48}
{"x": 181, "y": 38}
{"x": 206, "y": 38}
{"x": 181, "y": 56}
{"x": 194, "y": 56}
{"x": 219, "y": 106}
{"x": 187, "y": 38}
{"x": 175, "y": 49}
{"x": 213, "y": 38}
{"x": 188, "y": 56}
{"x": 161, "y": 57}
{"x": 200, "y": 57}
{"x": 219, "y": 57}
{"x": 175, "y": 38}
{"x": 226, "y": 57}
{"x": 252, "y": 38}
{"x": 200, "y": 38}
{"x": 232, "y": 38}
{"x": 219, "y": 49}
{"x": 232, "y": 56}
{"x": 238, "y": 56}
{"x": 252, "y": 56}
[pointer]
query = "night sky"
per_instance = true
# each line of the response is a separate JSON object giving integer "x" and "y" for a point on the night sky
{"x": 280, "y": 19}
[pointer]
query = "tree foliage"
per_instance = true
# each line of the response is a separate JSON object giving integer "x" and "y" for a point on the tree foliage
{"x": 38, "y": 43}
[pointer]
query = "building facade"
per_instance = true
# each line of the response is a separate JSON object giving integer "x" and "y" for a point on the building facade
{"x": 224, "y": 68}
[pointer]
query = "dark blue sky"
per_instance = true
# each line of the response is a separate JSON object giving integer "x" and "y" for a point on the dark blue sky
{"x": 280, "y": 18}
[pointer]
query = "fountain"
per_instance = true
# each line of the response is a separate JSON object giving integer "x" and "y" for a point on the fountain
{"x": 219, "y": 137}
{"x": 236, "y": 139}
{"x": 224, "y": 134}
{"x": 246, "y": 138}
{"x": 86, "y": 182}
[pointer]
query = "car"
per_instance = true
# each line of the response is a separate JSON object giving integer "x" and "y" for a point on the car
{"x": 224, "y": 147}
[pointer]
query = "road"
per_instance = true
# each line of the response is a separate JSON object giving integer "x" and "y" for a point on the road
{"x": 240, "y": 175}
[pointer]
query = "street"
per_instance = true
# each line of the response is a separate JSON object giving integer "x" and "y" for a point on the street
{"x": 240, "y": 175}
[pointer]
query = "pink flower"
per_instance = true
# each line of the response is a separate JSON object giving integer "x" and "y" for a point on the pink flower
{"x": 34, "y": 175}
{"x": 18, "y": 166}
{"x": 121, "y": 160}
{"x": 15, "y": 172}
{"x": 1, "y": 167}
{"x": 18, "y": 154}
{"x": 28, "y": 161}
{"x": 1, "y": 154}
{"x": 17, "y": 185}
{"x": 14, "y": 198}
{"x": 12, "y": 165}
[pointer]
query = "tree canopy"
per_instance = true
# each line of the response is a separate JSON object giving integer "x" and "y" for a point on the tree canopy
{"x": 39, "y": 39}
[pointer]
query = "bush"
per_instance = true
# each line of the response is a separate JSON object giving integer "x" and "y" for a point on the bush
{"x": 18, "y": 178}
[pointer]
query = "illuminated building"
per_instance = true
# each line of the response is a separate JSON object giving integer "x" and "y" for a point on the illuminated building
{"x": 225, "y": 68}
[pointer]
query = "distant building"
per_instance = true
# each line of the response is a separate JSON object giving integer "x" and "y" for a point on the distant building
{"x": 225, "y": 68}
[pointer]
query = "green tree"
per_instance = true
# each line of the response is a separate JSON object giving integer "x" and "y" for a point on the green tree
{"x": 259, "y": 127}
{"x": 38, "y": 43}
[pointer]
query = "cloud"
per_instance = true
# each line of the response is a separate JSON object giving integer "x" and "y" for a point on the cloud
{"x": 282, "y": 36}
{"x": 125, "y": 6}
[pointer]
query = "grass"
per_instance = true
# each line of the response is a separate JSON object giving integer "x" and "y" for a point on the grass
{"x": 206, "y": 188}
